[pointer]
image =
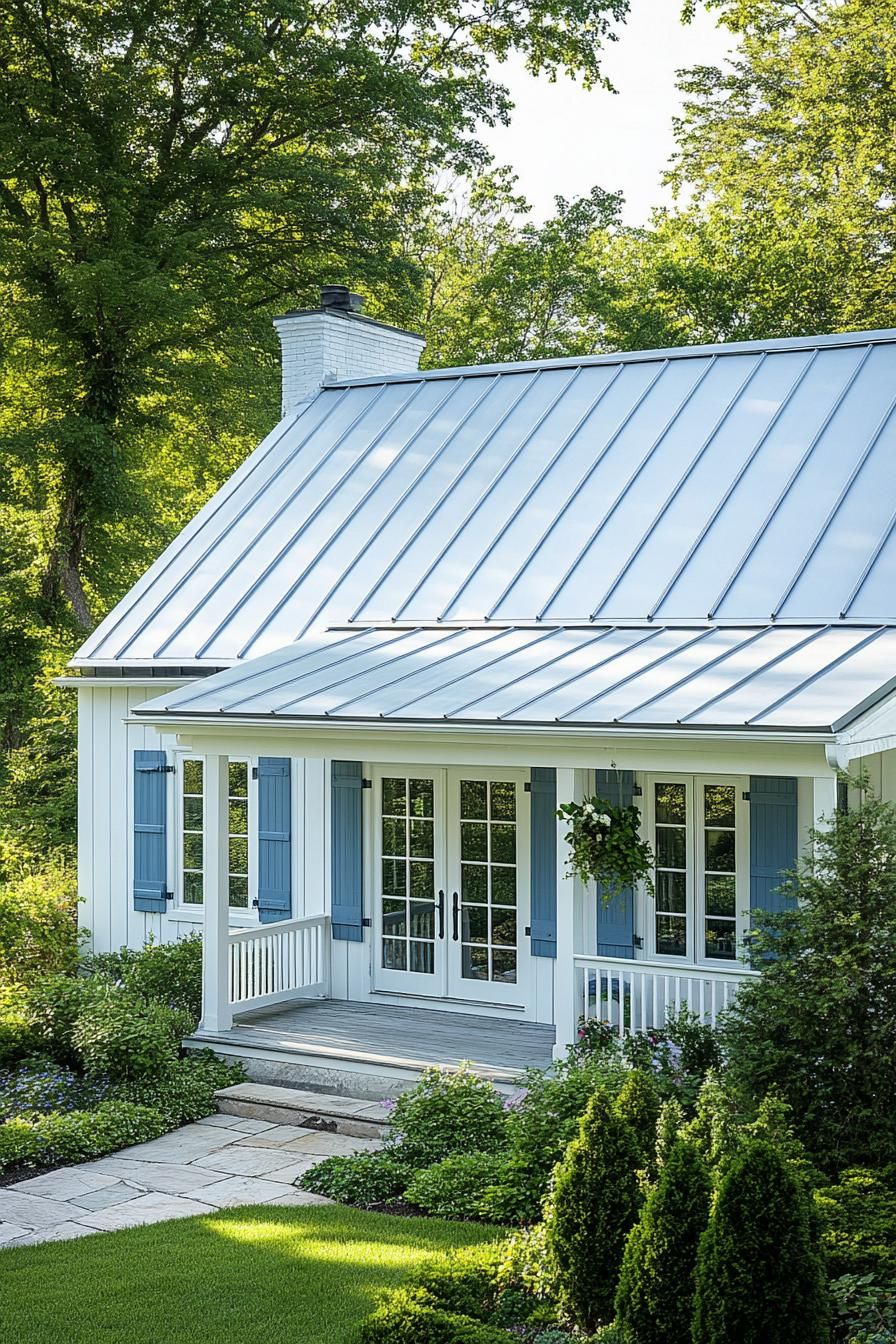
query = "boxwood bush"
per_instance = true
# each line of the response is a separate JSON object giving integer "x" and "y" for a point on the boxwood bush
{"x": 408, "y": 1316}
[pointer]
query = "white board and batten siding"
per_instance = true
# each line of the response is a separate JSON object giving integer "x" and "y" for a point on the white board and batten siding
{"x": 106, "y": 746}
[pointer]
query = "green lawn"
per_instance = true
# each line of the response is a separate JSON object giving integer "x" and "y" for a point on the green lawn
{"x": 244, "y": 1276}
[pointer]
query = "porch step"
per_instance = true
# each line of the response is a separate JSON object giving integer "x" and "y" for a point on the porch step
{"x": 314, "y": 1110}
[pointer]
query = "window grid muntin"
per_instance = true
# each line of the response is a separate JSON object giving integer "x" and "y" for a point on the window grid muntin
{"x": 498, "y": 960}
{"x": 410, "y": 944}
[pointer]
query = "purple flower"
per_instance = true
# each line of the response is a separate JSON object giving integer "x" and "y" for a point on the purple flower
{"x": 515, "y": 1100}
{"x": 388, "y": 1103}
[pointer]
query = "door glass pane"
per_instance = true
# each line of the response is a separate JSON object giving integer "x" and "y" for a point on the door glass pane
{"x": 720, "y": 868}
{"x": 473, "y": 799}
{"x": 474, "y": 840}
{"x": 407, "y": 895}
{"x": 238, "y": 833}
{"x": 670, "y": 843}
{"x": 488, "y": 880}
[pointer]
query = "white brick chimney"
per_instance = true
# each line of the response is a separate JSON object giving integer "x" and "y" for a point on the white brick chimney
{"x": 337, "y": 341}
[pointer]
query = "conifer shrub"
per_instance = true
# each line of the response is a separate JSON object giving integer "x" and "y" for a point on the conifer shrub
{"x": 638, "y": 1102}
{"x": 655, "y": 1298}
{"x": 816, "y": 1027}
{"x": 760, "y": 1278}
{"x": 591, "y": 1209}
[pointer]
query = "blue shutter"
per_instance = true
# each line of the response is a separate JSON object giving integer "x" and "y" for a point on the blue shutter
{"x": 773, "y": 839}
{"x": 274, "y": 839}
{"x": 346, "y": 855}
{"x": 543, "y": 861}
{"x": 150, "y": 845}
{"x": 616, "y": 921}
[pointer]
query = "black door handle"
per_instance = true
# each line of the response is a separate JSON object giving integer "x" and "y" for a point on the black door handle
{"x": 441, "y": 914}
{"x": 454, "y": 916}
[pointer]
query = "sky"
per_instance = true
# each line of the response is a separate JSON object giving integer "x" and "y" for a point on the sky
{"x": 564, "y": 140}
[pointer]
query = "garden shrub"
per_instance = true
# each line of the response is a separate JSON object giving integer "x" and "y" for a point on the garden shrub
{"x": 169, "y": 973}
{"x": 54, "y": 1008}
{"x": 447, "y": 1113}
{"x": 407, "y": 1316}
{"x": 363, "y": 1180}
{"x": 19, "y": 1037}
{"x": 591, "y": 1209}
{"x": 465, "y": 1281}
{"x": 760, "y": 1278}
{"x": 78, "y": 1136}
{"x": 119, "y": 1036}
{"x": 540, "y": 1127}
{"x": 816, "y": 1027}
{"x": 858, "y": 1217}
{"x": 38, "y": 926}
{"x": 655, "y": 1298}
{"x": 864, "y": 1309}
{"x": 638, "y": 1102}
{"x": 185, "y": 1090}
{"x": 454, "y": 1187}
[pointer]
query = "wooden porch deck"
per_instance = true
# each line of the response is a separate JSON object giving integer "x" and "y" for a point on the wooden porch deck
{"x": 394, "y": 1039}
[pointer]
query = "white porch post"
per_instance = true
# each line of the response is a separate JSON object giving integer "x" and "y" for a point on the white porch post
{"x": 564, "y": 966}
{"x": 216, "y": 1011}
{"x": 824, "y": 799}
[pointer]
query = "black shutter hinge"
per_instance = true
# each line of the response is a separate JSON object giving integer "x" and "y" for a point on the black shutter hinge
{"x": 366, "y": 783}
{"x": 637, "y": 940}
{"x": 637, "y": 791}
{"x": 528, "y": 930}
{"x": 365, "y": 923}
{"x": 169, "y": 895}
{"x": 255, "y": 772}
{"x": 746, "y": 795}
{"x": 527, "y": 787}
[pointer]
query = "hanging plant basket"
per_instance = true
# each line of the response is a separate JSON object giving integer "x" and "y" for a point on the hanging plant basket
{"x": 606, "y": 847}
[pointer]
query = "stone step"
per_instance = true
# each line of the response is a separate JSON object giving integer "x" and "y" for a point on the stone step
{"x": 359, "y": 1119}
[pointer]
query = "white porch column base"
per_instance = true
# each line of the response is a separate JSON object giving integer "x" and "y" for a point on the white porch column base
{"x": 216, "y": 1011}
{"x": 567, "y": 892}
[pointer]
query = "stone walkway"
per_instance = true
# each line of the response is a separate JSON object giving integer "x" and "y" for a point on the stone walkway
{"x": 220, "y": 1162}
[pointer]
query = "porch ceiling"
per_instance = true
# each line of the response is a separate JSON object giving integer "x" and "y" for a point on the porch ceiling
{"x": 761, "y": 677}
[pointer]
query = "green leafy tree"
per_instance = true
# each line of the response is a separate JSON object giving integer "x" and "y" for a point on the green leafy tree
{"x": 760, "y": 1278}
{"x": 169, "y": 171}
{"x": 816, "y": 1027}
{"x": 638, "y": 1102}
{"x": 593, "y": 1205}
{"x": 655, "y": 1298}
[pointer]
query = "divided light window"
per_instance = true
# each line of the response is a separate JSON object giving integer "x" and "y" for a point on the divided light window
{"x": 697, "y": 824}
{"x": 192, "y": 818}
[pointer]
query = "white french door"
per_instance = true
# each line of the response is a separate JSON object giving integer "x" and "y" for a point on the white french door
{"x": 451, "y": 883}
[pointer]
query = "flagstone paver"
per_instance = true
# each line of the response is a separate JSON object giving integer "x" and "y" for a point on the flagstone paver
{"x": 221, "y": 1162}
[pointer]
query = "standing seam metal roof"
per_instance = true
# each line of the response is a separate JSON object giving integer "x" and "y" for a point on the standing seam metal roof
{"x": 724, "y": 485}
{"x": 781, "y": 677}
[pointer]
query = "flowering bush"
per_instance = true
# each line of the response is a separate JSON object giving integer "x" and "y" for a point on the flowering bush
{"x": 606, "y": 846}
{"x": 40, "y": 1085}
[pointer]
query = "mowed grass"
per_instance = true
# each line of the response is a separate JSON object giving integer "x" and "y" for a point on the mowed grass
{"x": 257, "y": 1275}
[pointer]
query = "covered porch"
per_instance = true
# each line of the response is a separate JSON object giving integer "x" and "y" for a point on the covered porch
{"x": 421, "y": 801}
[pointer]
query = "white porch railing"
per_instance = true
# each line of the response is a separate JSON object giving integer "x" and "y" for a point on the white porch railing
{"x": 279, "y": 961}
{"x": 638, "y": 995}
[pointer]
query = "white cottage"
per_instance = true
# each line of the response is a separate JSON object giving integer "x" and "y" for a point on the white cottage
{"x": 331, "y": 725}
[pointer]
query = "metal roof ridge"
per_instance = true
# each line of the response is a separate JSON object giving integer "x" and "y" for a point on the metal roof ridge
{"x": 835, "y": 340}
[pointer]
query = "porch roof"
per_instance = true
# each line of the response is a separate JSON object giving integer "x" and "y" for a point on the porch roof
{"x": 757, "y": 677}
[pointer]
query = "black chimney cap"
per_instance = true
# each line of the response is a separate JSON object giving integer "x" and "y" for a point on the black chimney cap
{"x": 341, "y": 297}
